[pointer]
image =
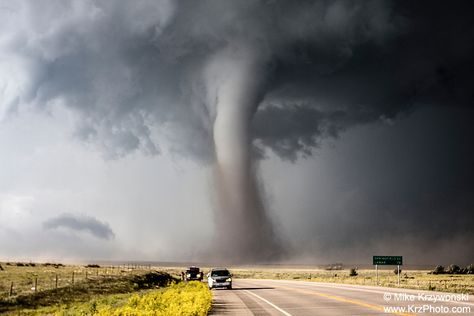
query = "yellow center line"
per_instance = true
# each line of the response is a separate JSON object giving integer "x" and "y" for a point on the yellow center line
{"x": 345, "y": 300}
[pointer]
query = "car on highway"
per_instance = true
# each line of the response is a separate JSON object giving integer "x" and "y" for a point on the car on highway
{"x": 193, "y": 274}
{"x": 219, "y": 278}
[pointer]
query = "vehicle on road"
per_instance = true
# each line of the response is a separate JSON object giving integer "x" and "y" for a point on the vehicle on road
{"x": 219, "y": 278}
{"x": 192, "y": 274}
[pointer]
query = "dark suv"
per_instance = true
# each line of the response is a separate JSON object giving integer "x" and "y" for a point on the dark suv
{"x": 193, "y": 274}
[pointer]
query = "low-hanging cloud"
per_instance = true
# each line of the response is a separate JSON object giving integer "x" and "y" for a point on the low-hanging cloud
{"x": 89, "y": 224}
{"x": 126, "y": 69}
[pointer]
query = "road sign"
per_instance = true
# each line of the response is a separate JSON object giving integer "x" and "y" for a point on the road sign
{"x": 388, "y": 260}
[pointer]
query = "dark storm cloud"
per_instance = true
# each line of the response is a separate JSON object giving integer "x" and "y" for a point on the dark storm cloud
{"x": 127, "y": 68}
{"x": 297, "y": 129}
{"x": 406, "y": 188}
{"x": 80, "y": 223}
{"x": 423, "y": 56}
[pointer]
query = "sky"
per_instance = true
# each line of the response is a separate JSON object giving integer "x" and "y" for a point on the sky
{"x": 356, "y": 117}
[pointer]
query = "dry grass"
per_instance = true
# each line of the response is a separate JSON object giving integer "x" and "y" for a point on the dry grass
{"x": 87, "y": 284}
{"x": 23, "y": 277}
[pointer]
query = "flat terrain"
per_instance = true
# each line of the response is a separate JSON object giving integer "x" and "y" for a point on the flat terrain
{"x": 27, "y": 288}
{"x": 21, "y": 278}
{"x": 261, "y": 290}
{"x": 280, "y": 297}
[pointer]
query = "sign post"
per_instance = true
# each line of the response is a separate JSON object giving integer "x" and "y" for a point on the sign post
{"x": 398, "y": 270}
{"x": 387, "y": 261}
{"x": 377, "y": 274}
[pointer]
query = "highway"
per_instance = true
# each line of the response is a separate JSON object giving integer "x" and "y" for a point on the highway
{"x": 291, "y": 298}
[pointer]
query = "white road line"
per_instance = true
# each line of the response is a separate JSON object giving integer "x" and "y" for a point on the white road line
{"x": 269, "y": 303}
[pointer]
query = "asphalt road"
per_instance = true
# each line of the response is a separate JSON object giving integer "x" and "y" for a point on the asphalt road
{"x": 278, "y": 297}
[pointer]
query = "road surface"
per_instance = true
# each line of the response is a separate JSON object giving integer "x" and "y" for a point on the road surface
{"x": 291, "y": 298}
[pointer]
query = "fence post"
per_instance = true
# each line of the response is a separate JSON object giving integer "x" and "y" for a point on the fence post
{"x": 36, "y": 283}
{"x": 72, "y": 277}
{"x": 11, "y": 288}
{"x": 56, "y": 280}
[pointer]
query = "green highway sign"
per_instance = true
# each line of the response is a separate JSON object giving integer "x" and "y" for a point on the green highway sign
{"x": 388, "y": 260}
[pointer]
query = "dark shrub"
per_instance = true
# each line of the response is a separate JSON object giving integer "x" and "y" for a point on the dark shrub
{"x": 438, "y": 270}
{"x": 152, "y": 279}
{"x": 470, "y": 269}
{"x": 396, "y": 271}
{"x": 454, "y": 269}
{"x": 353, "y": 272}
{"x": 92, "y": 266}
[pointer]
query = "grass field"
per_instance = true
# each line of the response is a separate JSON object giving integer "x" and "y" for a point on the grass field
{"x": 97, "y": 291}
{"x": 21, "y": 280}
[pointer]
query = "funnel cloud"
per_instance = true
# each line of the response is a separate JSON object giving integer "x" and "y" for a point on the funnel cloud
{"x": 234, "y": 78}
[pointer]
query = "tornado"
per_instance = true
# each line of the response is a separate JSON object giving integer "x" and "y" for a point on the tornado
{"x": 235, "y": 78}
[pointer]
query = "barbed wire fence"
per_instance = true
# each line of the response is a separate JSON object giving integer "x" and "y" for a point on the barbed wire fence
{"x": 20, "y": 278}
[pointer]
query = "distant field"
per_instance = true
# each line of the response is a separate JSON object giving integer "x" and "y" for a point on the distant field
{"x": 78, "y": 290}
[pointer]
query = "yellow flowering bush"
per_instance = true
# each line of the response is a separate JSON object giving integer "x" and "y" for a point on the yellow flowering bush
{"x": 192, "y": 298}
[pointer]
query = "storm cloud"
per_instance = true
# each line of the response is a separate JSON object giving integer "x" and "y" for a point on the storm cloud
{"x": 135, "y": 76}
{"x": 127, "y": 68}
{"x": 80, "y": 223}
